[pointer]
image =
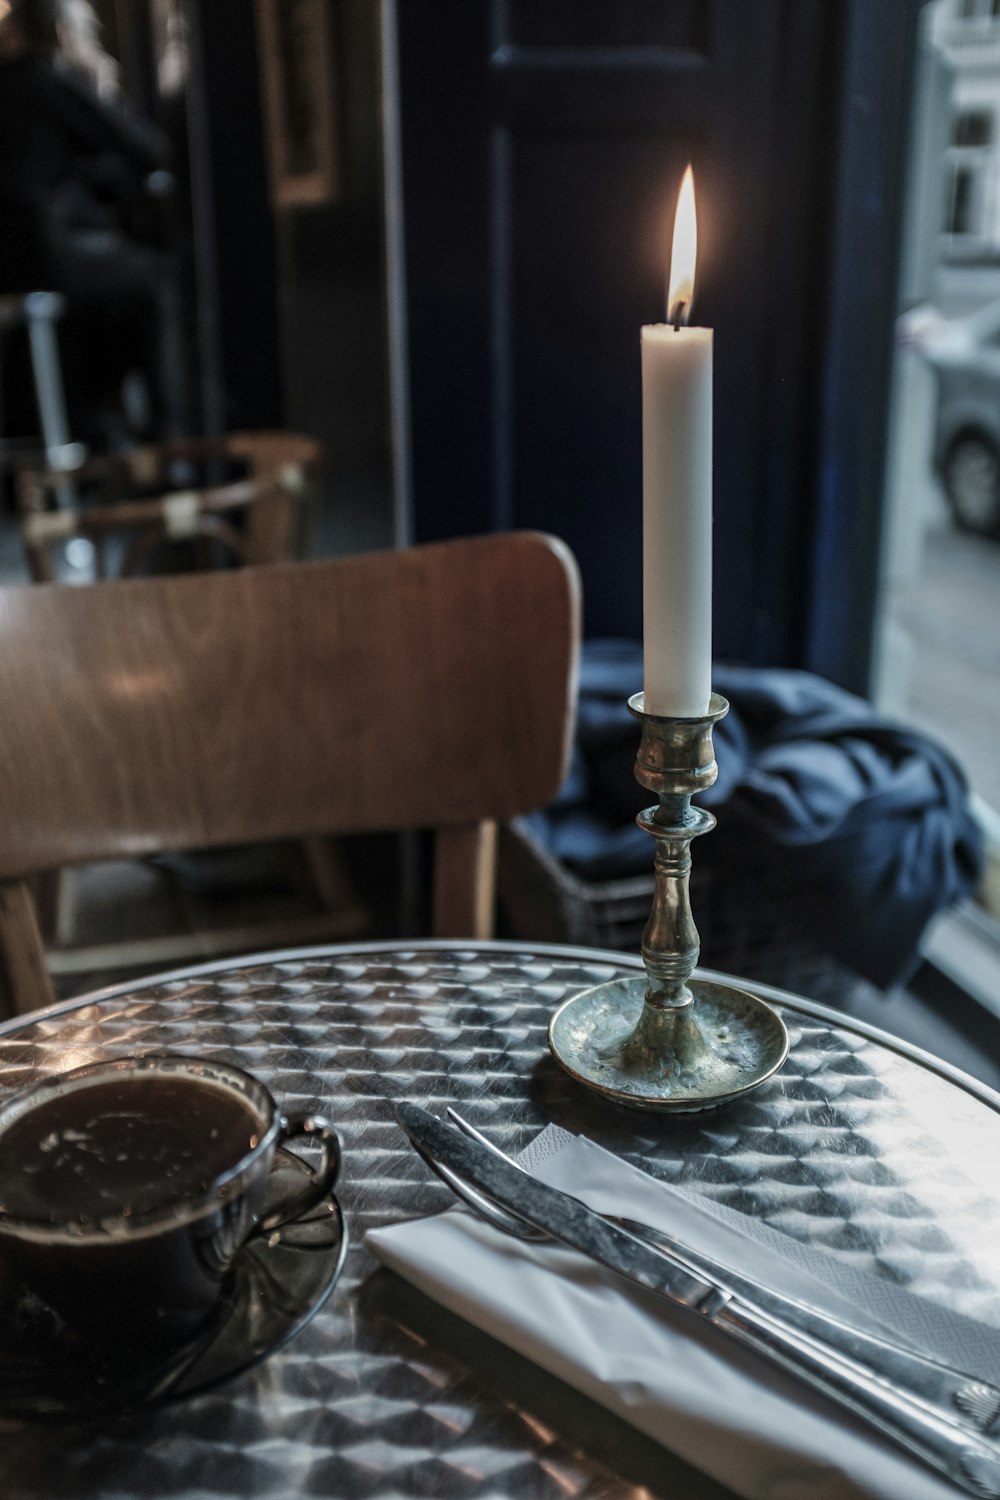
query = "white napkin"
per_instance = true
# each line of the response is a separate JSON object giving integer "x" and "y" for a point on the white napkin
{"x": 761, "y": 1433}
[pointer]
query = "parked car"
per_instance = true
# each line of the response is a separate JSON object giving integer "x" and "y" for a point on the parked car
{"x": 964, "y": 354}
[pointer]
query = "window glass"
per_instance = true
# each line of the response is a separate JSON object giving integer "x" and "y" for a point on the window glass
{"x": 938, "y": 624}
{"x": 959, "y": 219}
{"x": 973, "y": 128}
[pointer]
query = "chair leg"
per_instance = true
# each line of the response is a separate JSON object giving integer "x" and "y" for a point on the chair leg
{"x": 270, "y": 528}
{"x": 465, "y": 880}
{"x": 65, "y": 906}
{"x": 327, "y": 872}
{"x": 23, "y": 970}
{"x": 44, "y": 889}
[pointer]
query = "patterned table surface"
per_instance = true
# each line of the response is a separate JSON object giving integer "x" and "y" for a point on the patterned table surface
{"x": 859, "y": 1144}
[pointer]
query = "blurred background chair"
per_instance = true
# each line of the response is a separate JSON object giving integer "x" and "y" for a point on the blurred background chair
{"x": 251, "y": 521}
{"x": 429, "y": 688}
{"x": 241, "y": 498}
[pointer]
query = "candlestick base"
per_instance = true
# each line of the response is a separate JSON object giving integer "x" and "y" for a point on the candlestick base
{"x": 670, "y": 1042}
{"x": 720, "y": 1045}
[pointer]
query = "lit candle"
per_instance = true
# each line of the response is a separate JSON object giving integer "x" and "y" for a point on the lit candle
{"x": 677, "y": 491}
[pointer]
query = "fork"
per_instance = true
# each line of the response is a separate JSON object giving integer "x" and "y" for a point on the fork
{"x": 959, "y": 1397}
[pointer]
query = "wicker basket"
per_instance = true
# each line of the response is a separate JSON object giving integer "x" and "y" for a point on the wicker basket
{"x": 744, "y": 930}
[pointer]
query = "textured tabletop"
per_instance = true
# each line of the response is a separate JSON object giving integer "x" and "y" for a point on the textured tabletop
{"x": 857, "y": 1145}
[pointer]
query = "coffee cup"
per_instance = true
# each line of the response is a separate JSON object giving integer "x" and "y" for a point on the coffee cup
{"x": 128, "y": 1188}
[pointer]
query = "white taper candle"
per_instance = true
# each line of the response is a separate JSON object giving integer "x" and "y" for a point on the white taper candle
{"x": 677, "y": 495}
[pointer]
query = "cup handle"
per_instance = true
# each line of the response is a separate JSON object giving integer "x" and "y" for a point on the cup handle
{"x": 314, "y": 1128}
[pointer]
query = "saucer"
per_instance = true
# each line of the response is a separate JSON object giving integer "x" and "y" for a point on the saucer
{"x": 733, "y": 1042}
{"x": 278, "y": 1283}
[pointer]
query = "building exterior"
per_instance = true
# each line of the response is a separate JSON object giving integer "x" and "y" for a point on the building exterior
{"x": 967, "y": 35}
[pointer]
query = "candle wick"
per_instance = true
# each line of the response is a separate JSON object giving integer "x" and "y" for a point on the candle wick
{"x": 677, "y": 313}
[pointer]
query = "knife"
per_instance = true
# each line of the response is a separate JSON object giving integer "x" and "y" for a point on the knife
{"x": 941, "y": 1441}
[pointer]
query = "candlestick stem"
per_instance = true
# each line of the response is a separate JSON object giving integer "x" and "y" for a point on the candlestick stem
{"x": 670, "y": 942}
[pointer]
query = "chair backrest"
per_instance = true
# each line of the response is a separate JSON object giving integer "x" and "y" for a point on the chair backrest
{"x": 427, "y": 688}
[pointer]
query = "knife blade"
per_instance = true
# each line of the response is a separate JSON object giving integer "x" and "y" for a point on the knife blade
{"x": 924, "y": 1430}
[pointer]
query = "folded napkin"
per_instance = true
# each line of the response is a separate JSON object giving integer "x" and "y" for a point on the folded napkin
{"x": 727, "y": 1413}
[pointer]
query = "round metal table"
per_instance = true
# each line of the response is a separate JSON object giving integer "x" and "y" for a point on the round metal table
{"x": 860, "y": 1143}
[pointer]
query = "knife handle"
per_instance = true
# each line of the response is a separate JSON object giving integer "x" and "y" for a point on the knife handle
{"x": 972, "y": 1400}
{"x": 967, "y": 1459}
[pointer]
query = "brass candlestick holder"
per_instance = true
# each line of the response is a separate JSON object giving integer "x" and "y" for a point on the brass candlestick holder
{"x": 670, "y": 1042}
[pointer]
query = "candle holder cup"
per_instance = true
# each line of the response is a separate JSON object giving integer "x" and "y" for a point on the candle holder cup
{"x": 670, "y": 1042}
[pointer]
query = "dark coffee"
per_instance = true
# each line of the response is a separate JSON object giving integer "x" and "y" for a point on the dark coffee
{"x": 122, "y": 1147}
{"x": 128, "y": 1188}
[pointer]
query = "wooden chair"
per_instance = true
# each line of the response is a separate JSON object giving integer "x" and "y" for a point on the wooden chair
{"x": 129, "y": 506}
{"x": 155, "y": 467}
{"x": 147, "y": 498}
{"x": 147, "y": 527}
{"x": 428, "y": 688}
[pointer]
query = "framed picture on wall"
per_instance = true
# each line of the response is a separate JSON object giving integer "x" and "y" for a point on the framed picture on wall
{"x": 297, "y": 71}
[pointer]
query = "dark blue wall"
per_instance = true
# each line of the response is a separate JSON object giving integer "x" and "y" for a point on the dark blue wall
{"x": 542, "y": 146}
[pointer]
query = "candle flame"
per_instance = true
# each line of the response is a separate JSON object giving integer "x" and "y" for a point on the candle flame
{"x": 684, "y": 254}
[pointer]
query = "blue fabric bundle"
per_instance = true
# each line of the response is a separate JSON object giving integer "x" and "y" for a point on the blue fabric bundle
{"x": 861, "y": 824}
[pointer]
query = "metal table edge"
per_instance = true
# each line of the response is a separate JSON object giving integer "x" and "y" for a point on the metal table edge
{"x": 784, "y": 998}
